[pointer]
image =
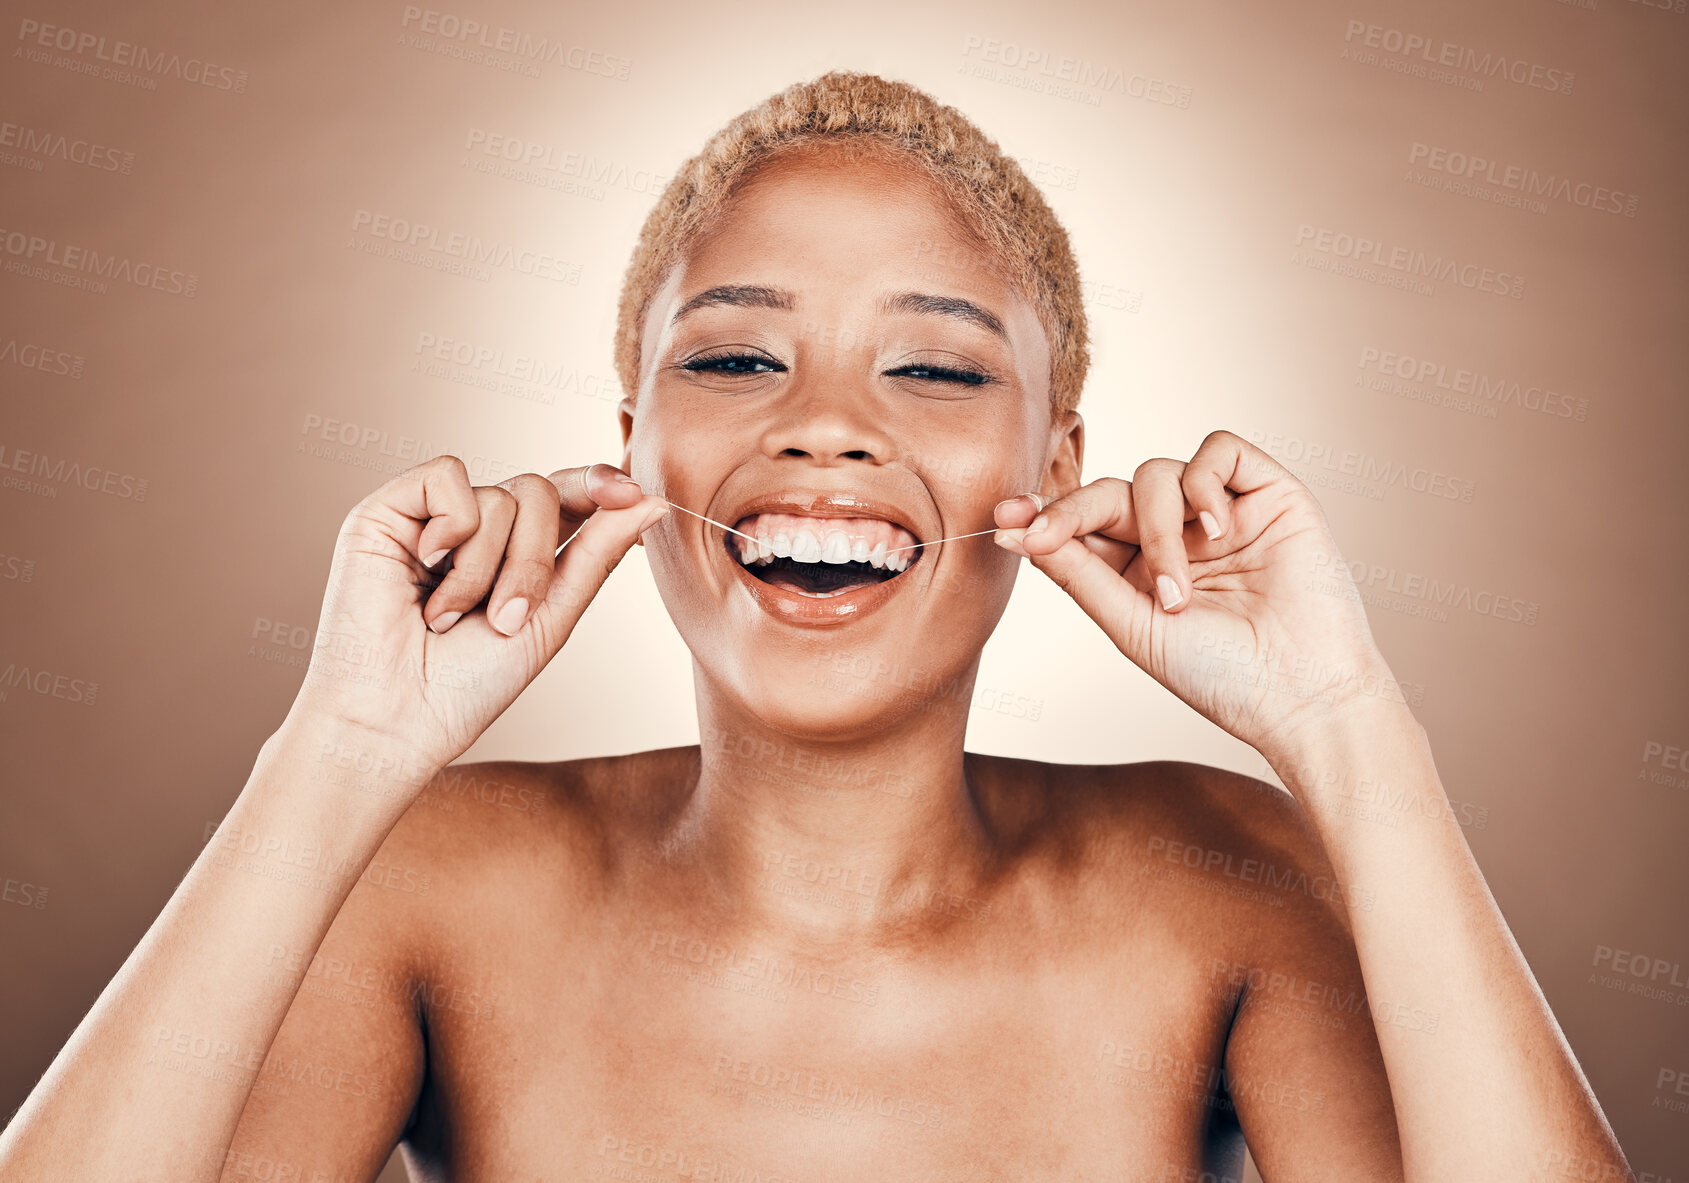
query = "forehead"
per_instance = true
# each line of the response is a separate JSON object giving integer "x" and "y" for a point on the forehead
{"x": 841, "y": 222}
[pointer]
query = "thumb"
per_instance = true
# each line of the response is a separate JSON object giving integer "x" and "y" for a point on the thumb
{"x": 596, "y": 549}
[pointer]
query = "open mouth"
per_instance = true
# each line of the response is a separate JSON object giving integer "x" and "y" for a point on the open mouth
{"x": 822, "y": 557}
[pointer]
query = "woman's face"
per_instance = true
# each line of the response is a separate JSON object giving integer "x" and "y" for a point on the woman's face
{"x": 837, "y": 370}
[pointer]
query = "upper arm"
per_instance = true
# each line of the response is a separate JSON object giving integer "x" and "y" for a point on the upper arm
{"x": 1302, "y": 1063}
{"x": 346, "y": 1067}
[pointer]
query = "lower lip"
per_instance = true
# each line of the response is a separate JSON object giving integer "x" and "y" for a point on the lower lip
{"x": 796, "y": 608}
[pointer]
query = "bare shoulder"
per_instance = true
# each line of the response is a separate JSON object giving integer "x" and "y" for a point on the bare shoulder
{"x": 1210, "y": 848}
{"x": 483, "y": 834}
{"x": 431, "y": 933}
{"x": 1100, "y": 804}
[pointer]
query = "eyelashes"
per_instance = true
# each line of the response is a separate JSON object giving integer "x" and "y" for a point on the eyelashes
{"x": 940, "y": 374}
{"x": 731, "y": 362}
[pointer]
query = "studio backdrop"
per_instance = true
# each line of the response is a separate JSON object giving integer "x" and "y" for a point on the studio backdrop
{"x": 254, "y": 261}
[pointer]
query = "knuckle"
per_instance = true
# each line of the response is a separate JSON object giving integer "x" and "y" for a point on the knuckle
{"x": 530, "y": 485}
{"x": 356, "y": 516}
{"x": 497, "y": 498}
{"x": 525, "y": 572}
{"x": 473, "y": 571}
{"x": 1155, "y": 538}
{"x": 595, "y": 558}
{"x": 447, "y": 463}
{"x": 1199, "y": 481}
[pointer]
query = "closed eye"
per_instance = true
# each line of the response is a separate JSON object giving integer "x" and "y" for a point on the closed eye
{"x": 940, "y": 374}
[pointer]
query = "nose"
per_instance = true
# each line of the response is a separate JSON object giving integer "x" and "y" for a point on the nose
{"x": 829, "y": 418}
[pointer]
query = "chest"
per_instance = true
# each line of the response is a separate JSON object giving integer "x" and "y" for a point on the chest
{"x": 665, "y": 1051}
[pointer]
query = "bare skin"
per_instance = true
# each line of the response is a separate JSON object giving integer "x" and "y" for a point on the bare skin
{"x": 827, "y": 942}
{"x": 1065, "y": 1007}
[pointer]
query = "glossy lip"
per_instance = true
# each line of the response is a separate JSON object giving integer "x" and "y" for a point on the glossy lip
{"x": 816, "y": 504}
{"x": 794, "y": 608}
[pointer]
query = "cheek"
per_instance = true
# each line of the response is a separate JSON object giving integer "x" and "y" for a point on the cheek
{"x": 972, "y": 478}
{"x": 671, "y": 457}
{"x": 979, "y": 581}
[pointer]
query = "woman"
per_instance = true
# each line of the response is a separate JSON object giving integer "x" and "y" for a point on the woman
{"x": 826, "y": 942}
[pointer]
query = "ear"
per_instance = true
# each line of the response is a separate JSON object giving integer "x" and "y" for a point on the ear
{"x": 1067, "y": 453}
{"x": 624, "y": 415}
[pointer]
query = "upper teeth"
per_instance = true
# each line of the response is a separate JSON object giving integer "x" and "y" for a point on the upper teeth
{"x": 824, "y": 540}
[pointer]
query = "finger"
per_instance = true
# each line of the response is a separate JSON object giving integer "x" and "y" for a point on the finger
{"x": 475, "y": 561}
{"x": 1159, "y": 502}
{"x": 581, "y": 491}
{"x": 1117, "y": 555}
{"x": 1211, "y": 469}
{"x": 530, "y": 555}
{"x": 1241, "y": 465}
{"x": 1102, "y": 507}
{"x": 436, "y": 493}
{"x": 587, "y": 560}
{"x": 1017, "y": 512}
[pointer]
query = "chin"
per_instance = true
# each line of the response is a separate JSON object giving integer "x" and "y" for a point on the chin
{"x": 840, "y": 691}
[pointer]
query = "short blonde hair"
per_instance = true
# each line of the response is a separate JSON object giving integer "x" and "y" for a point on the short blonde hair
{"x": 987, "y": 189}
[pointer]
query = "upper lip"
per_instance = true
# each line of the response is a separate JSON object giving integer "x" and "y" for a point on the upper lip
{"x": 822, "y": 503}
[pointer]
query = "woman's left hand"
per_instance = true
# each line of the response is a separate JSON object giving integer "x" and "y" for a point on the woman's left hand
{"x": 1220, "y": 578}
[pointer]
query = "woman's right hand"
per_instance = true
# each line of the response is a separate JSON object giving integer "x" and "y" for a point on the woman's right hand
{"x": 446, "y": 599}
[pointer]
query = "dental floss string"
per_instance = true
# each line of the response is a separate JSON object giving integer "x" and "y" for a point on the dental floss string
{"x": 893, "y": 551}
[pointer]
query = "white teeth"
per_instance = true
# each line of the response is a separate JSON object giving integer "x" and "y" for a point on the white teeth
{"x": 804, "y": 546}
{"x": 836, "y": 549}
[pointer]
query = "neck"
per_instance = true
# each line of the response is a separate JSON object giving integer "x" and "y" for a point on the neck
{"x": 841, "y": 832}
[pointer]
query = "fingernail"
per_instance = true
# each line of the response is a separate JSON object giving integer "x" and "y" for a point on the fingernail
{"x": 1008, "y": 543}
{"x": 511, "y": 616}
{"x": 1169, "y": 589}
{"x": 1038, "y": 523}
{"x": 627, "y": 480}
{"x": 656, "y": 516}
{"x": 1210, "y": 525}
{"x": 1005, "y": 501}
{"x": 435, "y": 557}
{"x": 444, "y": 621}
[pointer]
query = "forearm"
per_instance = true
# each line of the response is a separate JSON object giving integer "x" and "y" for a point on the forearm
{"x": 1484, "y": 1084}
{"x": 152, "y": 1083}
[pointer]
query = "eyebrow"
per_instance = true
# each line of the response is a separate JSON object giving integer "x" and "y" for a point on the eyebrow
{"x": 742, "y": 295}
{"x": 945, "y": 306}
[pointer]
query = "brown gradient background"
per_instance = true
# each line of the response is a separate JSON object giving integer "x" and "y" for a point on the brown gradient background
{"x": 1185, "y": 220}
